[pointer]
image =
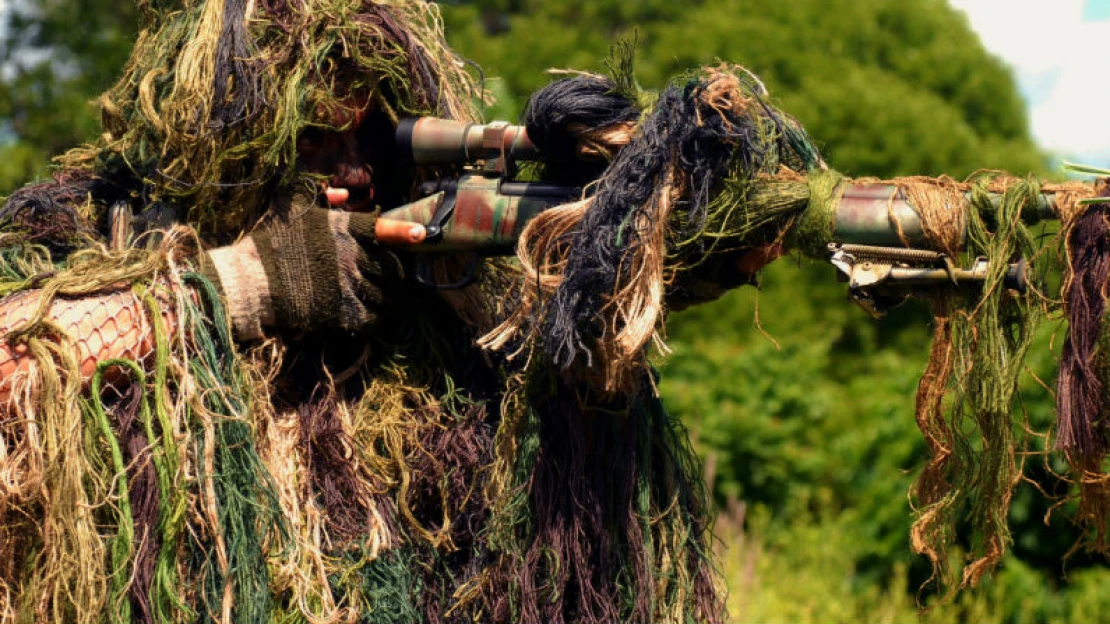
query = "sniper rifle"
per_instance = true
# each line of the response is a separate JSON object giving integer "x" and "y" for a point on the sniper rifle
{"x": 878, "y": 245}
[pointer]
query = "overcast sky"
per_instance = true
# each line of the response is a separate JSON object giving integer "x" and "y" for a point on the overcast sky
{"x": 1059, "y": 50}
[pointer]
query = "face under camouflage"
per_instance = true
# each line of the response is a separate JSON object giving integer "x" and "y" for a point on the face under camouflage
{"x": 208, "y": 112}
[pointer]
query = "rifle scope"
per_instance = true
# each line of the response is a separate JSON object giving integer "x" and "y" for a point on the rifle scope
{"x": 434, "y": 141}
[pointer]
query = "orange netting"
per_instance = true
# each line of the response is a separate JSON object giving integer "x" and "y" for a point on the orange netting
{"x": 102, "y": 327}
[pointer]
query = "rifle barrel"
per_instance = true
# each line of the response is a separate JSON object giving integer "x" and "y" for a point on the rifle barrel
{"x": 880, "y": 214}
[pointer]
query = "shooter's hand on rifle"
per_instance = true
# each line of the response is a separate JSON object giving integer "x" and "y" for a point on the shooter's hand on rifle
{"x": 308, "y": 269}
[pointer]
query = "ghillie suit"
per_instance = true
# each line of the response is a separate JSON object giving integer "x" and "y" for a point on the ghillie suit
{"x": 599, "y": 276}
{"x": 155, "y": 470}
{"x": 194, "y": 481}
{"x": 703, "y": 176}
{"x": 406, "y": 475}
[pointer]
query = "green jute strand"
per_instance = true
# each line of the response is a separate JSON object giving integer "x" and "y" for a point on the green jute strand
{"x": 249, "y": 513}
{"x": 511, "y": 524}
{"x": 511, "y": 514}
{"x": 642, "y": 499}
{"x": 68, "y": 576}
{"x": 991, "y": 337}
{"x": 20, "y": 262}
{"x": 387, "y": 587}
{"x": 681, "y": 500}
{"x": 817, "y": 225}
{"x": 745, "y": 212}
{"x": 119, "y": 606}
{"x": 173, "y": 503}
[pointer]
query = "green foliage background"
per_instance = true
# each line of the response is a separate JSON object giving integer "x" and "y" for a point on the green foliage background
{"x": 801, "y": 404}
{"x": 57, "y": 56}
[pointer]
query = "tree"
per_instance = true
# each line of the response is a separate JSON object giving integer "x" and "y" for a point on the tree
{"x": 887, "y": 88}
{"x": 57, "y": 56}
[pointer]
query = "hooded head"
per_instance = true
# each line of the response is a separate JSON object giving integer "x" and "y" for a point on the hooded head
{"x": 218, "y": 96}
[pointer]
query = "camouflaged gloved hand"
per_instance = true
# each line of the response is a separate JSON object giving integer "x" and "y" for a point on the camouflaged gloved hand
{"x": 313, "y": 269}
